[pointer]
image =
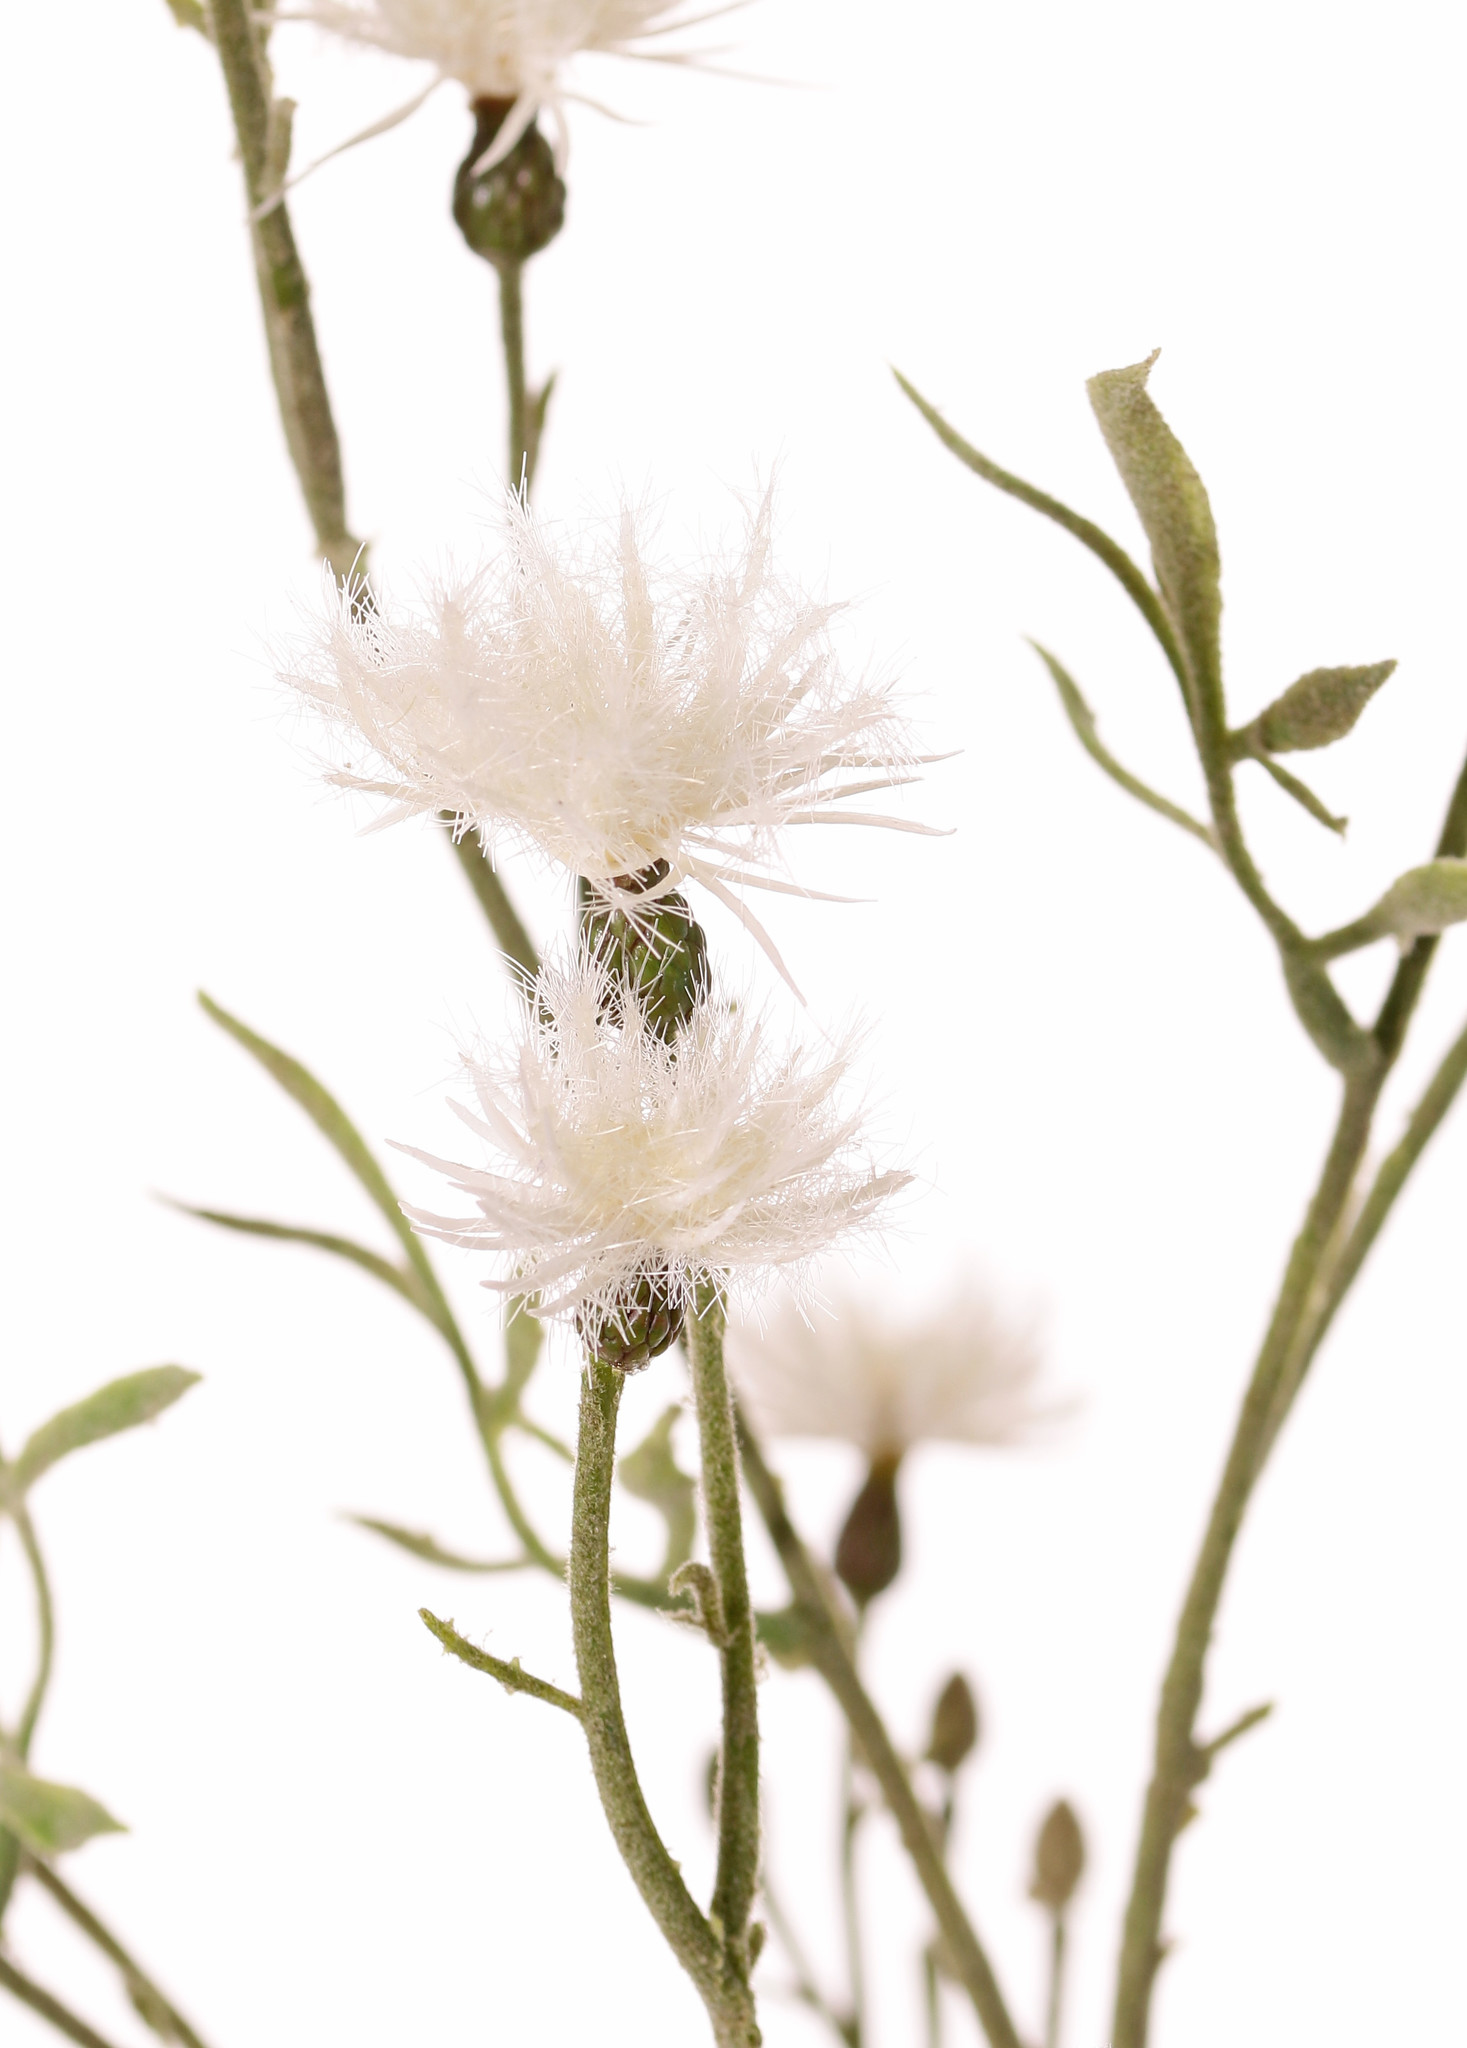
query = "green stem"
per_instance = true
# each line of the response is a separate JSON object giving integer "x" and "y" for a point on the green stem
{"x": 513, "y": 940}
{"x": 850, "y": 1901}
{"x": 738, "y": 1771}
{"x": 512, "y": 331}
{"x": 10, "y": 1852}
{"x": 262, "y": 125}
{"x": 1055, "y": 2004}
{"x": 806, "y": 1990}
{"x": 830, "y": 1653}
{"x": 138, "y": 1982}
{"x": 691, "y": 1938}
{"x": 49, "y": 2008}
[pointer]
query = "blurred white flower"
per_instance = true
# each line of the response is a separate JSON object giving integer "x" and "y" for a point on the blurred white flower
{"x": 886, "y": 1381}
{"x": 612, "y": 715}
{"x": 617, "y": 1160}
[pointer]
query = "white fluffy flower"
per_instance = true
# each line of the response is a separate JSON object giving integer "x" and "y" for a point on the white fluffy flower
{"x": 885, "y": 1382}
{"x": 615, "y": 1159}
{"x": 612, "y": 715}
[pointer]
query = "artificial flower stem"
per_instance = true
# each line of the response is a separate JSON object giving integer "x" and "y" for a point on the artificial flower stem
{"x": 1298, "y": 1324}
{"x": 738, "y": 1773}
{"x": 512, "y": 330}
{"x": 513, "y": 940}
{"x": 689, "y": 1935}
{"x": 142, "y": 1987}
{"x": 850, "y": 1821}
{"x": 831, "y": 1655}
{"x": 40, "y": 2001}
{"x": 261, "y": 124}
{"x": 10, "y": 1852}
{"x": 1054, "y": 2005}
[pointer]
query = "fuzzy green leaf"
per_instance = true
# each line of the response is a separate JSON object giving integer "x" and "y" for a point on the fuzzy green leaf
{"x": 1421, "y": 902}
{"x": 49, "y": 1818}
{"x": 399, "y": 1278}
{"x": 431, "y": 1551}
{"x": 651, "y": 1473}
{"x": 1172, "y": 505}
{"x": 1320, "y": 708}
{"x": 121, "y": 1404}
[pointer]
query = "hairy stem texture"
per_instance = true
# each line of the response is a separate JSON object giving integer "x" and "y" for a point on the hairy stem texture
{"x": 692, "y": 1939}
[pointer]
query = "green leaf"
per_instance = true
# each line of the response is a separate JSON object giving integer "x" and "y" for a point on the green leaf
{"x": 1320, "y": 708}
{"x": 190, "y": 14}
{"x": 48, "y": 1818}
{"x": 121, "y": 1404}
{"x": 1082, "y": 718}
{"x": 651, "y": 1473}
{"x": 341, "y": 1133}
{"x": 524, "y": 1339}
{"x": 433, "y": 1552}
{"x": 399, "y": 1278}
{"x": 787, "y": 1635}
{"x": 1421, "y": 902}
{"x": 1172, "y": 505}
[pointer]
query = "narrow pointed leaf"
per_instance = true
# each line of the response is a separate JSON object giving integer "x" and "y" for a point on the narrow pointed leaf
{"x": 50, "y": 1819}
{"x": 334, "y": 1125}
{"x": 1421, "y": 902}
{"x": 651, "y": 1473}
{"x": 432, "y": 1552}
{"x": 399, "y": 1278}
{"x": 524, "y": 1339}
{"x": 1172, "y": 505}
{"x": 121, "y": 1404}
{"x": 1082, "y": 718}
{"x": 1320, "y": 708}
{"x": 1302, "y": 794}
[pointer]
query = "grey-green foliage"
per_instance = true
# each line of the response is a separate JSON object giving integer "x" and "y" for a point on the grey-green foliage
{"x": 1173, "y": 508}
{"x": 1318, "y": 709}
{"x": 652, "y": 1474}
{"x": 1421, "y": 902}
{"x": 49, "y": 1819}
{"x": 121, "y": 1404}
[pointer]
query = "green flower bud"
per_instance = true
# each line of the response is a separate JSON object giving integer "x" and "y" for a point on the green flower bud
{"x": 1059, "y": 1858}
{"x": 659, "y": 953}
{"x": 954, "y": 1734}
{"x": 639, "y": 1329}
{"x": 509, "y": 212}
{"x": 869, "y": 1553}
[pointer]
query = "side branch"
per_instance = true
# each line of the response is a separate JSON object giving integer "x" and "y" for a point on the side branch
{"x": 49, "y": 2008}
{"x": 144, "y": 1991}
{"x": 738, "y": 1763}
{"x": 262, "y": 125}
{"x": 510, "y": 1675}
{"x": 1082, "y": 718}
{"x": 832, "y": 1658}
{"x": 657, "y": 1877}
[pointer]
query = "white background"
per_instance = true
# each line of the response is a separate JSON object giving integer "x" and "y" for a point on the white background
{"x": 1079, "y": 1038}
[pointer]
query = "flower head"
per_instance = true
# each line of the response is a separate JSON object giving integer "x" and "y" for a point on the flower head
{"x": 612, "y": 715}
{"x": 884, "y": 1383}
{"x": 619, "y": 1163}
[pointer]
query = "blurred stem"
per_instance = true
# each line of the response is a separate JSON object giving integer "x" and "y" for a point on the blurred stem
{"x": 504, "y": 921}
{"x": 692, "y": 1939}
{"x": 262, "y": 126}
{"x": 512, "y": 332}
{"x": 1055, "y": 2006}
{"x": 738, "y": 1770}
{"x": 807, "y": 1991}
{"x": 46, "y": 1649}
{"x": 831, "y": 1655}
{"x": 850, "y": 1901}
{"x": 931, "y": 1998}
{"x": 139, "y": 1984}
{"x": 49, "y": 2008}
{"x": 1316, "y": 1279}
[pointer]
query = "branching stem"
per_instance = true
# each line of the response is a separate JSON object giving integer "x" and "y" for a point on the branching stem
{"x": 138, "y": 1982}
{"x": 40, "y": 2001}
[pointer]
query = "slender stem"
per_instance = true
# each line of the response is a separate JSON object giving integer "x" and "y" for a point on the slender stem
{"x": 513, "y": 940}
{"x": 1054, "y": 2007}
{"x": 931, "y": 1998}
{"x": 135, "y": 1977}
{"x": 806, "y": 1990}
{"x": 45, "y": 1629}
{"x": 738, "y": 1770}
{"x": 512, "y": 330}
{"x": 49, "y": 2008}
{"x": 510, "y": 1675}
{"x": 831, "y": 1655}
{"x": 850, "y": 1821}
{"x": 262, "y": 125}
{"x": 1315, "y": 1281}
{"x": 691, "y": 1938}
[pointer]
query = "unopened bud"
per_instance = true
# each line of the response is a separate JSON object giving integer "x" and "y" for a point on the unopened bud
{"x": 659, "y": 953}
{"x": 1320, "y": 708}
{"x": 869, "y": 1553}
{"x": 954, "y": 1725}
{"x": 1059, "y": 1858}
{"x": 640, "y": 1328}
{"x": 510, "y": 211}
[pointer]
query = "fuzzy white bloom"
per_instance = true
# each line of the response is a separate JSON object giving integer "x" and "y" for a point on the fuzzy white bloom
{"x": 574, "y": 699}
{"x": 885, "y": 1382}
{"x": 615, "y": 1159}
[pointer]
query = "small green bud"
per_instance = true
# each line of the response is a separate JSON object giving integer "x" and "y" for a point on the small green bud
{"x": 869, "y": 1553}
{"x": 639, "y": 1329}
{"x": 1059, "y": 1858}
{"x": 659, "y": 953}
{"x": 1423, "y": 901}
{"x": 511, "y": 211}
{"x": 954, "y": 1734}
{"x": 1320, "y": 708}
